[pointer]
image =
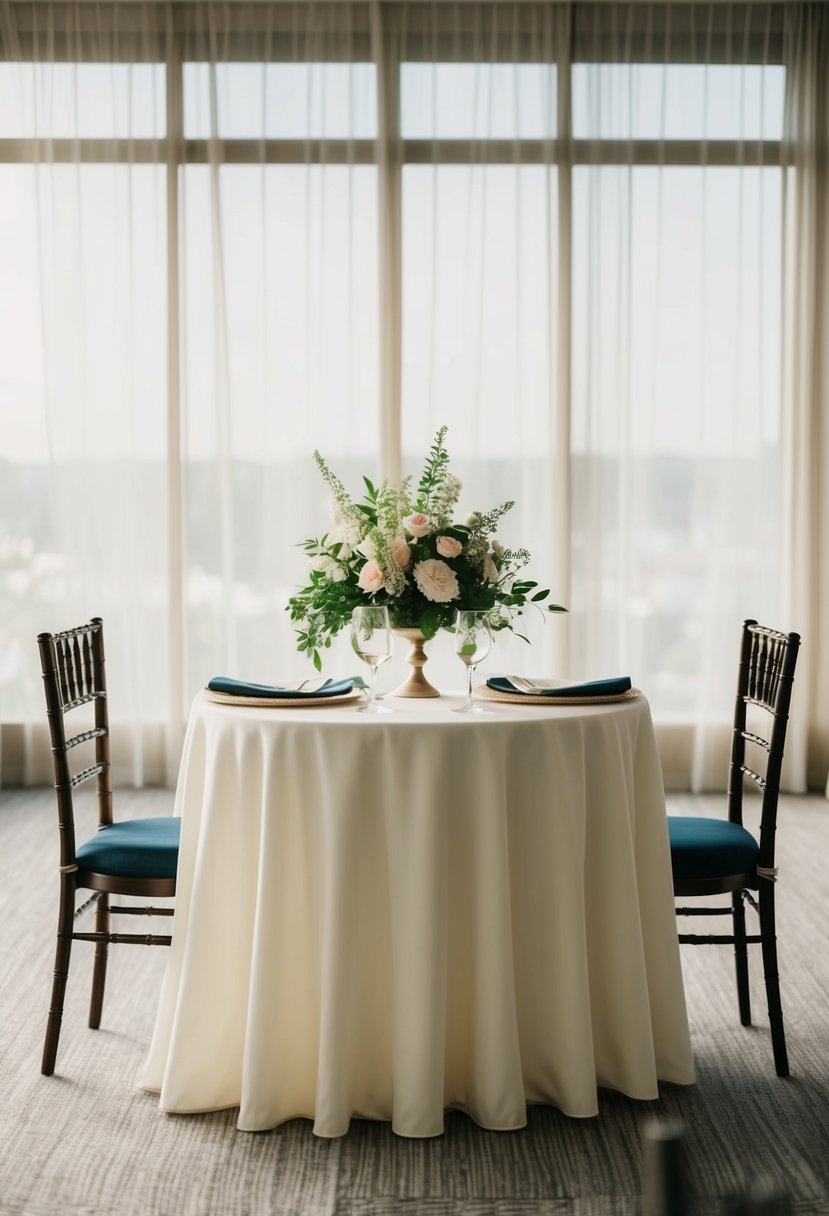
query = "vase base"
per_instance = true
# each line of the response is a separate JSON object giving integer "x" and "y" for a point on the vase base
{"x": 416, "y": 686}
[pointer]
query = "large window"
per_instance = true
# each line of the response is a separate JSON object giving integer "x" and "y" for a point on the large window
{"x": 234, "y": 244}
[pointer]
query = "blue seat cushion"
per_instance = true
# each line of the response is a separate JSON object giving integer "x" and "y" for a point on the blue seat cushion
{"x": 133, "y": 848}
{"x": 710, "y": 848}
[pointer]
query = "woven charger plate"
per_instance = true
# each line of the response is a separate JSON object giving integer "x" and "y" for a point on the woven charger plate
{"x": 226, "y": 698}
{"x": 526, "y": 698}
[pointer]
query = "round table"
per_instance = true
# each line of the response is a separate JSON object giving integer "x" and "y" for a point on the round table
{"x": 390, "y": 916}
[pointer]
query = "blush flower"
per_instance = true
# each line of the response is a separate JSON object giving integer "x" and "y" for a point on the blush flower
{"x": 436, "y": 581}
{"x": 490, "y": 569}
{"x": 401, "y": 552}
{"x": 370, "y": 578}
{"x": 417, "y": 524}
{"x": 447, "y": 546}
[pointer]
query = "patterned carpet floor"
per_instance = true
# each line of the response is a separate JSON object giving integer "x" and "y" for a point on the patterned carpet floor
{"x": 87, "y": 1143}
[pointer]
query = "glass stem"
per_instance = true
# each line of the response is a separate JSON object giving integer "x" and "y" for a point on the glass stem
{"x": 372, "y": 679}
{"x": 469, "y": 669}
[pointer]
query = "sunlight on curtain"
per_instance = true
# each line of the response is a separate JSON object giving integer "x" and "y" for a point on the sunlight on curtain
{"x": 676, "y": 452}
{"x": 83, "y": 511}
{"x": 480, "y": 253}
{"x": 279, "y": 339}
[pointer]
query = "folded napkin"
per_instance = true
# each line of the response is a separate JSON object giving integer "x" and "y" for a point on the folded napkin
{"x": 612, "y": 687}
{"x": 240, "y": 688}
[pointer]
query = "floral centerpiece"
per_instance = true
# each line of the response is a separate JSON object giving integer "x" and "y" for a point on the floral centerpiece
{"x": 401, "y": 548}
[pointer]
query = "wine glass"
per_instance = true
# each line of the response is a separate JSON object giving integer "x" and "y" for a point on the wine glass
{"x": 371, "y": 640}
{"x": 473, "y": 639}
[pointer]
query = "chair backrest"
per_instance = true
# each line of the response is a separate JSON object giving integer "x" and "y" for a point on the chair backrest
{"x": 764, "y": 680}
{"x": 73, "y": 675}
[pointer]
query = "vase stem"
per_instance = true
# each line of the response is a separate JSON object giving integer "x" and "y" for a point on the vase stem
{"x": 417, "y": 685}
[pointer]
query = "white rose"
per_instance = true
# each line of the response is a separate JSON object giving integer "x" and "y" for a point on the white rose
{"x": 370, "y": 578}
{"x": 345, "y": 533}
{"x": 417, "y": 524}
{"x": 366, "y": 547}
{"x": 447, "y": 546}
{"x": 335, "y": 512}
{"x": 436, "y": 581}
{"x": 330, "y": 568}
{"x": 490, "y": 569}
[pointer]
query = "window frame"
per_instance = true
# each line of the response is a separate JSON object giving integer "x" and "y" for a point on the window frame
{"x": 179, "y": 33}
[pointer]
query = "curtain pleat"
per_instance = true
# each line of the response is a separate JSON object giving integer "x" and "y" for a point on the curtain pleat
{"x": 805, "y": 572}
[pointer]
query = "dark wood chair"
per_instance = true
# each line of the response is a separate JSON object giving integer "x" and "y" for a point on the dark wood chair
{"x": 131, "y": 858}
{"x": 716, "y": 856}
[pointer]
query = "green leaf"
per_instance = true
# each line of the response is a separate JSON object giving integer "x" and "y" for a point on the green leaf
{"x": 317, "y": 660}
{"x": 429, "y": 622}
{"x": 556, "y": 608}
{"x": 468, "y": 648}
{"x": 372, "y": 492}
{"x": 539, "y": 595}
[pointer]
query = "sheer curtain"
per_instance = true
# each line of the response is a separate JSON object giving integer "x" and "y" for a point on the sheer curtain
{"x": 576, "y": 233}
{"x": 83, "y": 334}
{"x": 677, "y": 186}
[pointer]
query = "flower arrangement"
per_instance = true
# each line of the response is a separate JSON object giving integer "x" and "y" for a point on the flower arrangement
{"x": 400, "y": 548}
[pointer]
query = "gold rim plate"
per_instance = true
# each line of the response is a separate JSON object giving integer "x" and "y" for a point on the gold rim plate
{"x": 225, "y": 698}
{"x": 526, "y": 698}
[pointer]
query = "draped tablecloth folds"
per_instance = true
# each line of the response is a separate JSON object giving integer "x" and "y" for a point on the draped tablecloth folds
{"x": 387, "y": 918}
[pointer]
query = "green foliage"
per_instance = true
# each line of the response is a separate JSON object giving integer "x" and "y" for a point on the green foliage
{"x": 485, "y": 574}
{"x": 434, "y": 471}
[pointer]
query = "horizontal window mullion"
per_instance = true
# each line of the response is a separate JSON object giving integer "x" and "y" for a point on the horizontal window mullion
{"x": 675, "y": 152}
{"x": 591, "y": 151}
{"x": 193, "y": 151}
{"x": 280, "y": 151}
{"x": 413, "y": 151}
{"x": 91, "y": 151}
{"x": 487, "y": 151}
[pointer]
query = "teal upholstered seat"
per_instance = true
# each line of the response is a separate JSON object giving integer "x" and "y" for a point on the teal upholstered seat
{"x": 133, "y": 848}
{"x": 710, "y": 848}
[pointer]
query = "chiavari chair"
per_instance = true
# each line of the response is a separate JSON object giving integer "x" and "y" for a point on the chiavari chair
{"x": 718, "y": 857}
{"x": 132, "y": 857}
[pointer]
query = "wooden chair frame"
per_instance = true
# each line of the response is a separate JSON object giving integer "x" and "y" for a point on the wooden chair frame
{"x": 74, "y": 675}
{"x": 765, "y": 675}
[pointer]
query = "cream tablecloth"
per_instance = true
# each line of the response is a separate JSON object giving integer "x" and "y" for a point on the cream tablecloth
{"x": 390, "y": 916}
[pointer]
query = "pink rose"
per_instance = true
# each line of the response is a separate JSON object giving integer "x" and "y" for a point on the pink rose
{"x": 449, "y": 547}
{"x": 436, "y": 581}
{"x": 370, "y": 577}
{"x": 401, "y": 552}
{"x": 417, "y": 524}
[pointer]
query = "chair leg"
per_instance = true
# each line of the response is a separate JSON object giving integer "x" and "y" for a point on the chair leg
{"x": 741, "y": 957}
{"x": 99, "y": 970}
{"x": 66, "y": 918}
{"x": 769, "y": 948}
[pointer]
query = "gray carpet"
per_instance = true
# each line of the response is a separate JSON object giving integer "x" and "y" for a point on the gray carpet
{"x": 87, "y": 1143}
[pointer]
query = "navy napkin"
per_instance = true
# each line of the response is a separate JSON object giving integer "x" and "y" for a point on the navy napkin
{"x": 240, "y": 688}
{"x": 612, "y": 687}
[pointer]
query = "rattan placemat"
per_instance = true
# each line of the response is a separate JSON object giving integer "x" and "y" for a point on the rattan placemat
{"x": 224, "y": 698}
{"x": 527, "y": 698}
